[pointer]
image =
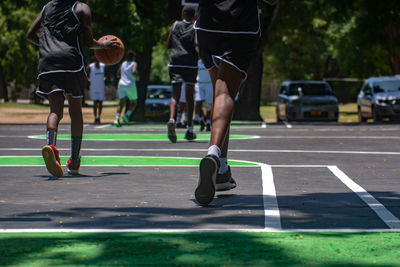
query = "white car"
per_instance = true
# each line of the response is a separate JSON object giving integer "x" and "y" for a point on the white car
{"x": 379, "y": 98}
{"x": 157, "y": 101}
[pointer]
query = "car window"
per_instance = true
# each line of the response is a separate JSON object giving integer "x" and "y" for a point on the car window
{"x": 367, "y": 89}
{"x": 283, "y": 90}
{"x": 160, "y": 93}
{"x": 309, "y": 89}
{"x": 387, "y": 86}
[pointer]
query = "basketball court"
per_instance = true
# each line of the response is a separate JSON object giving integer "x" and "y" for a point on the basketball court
{"x": 291, "y": 178}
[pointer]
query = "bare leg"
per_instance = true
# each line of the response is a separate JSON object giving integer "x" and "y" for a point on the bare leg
{"x": 176, "y": 95}
{"x": 95, "y": 106}
{"x": 227, "y": 82}
{"x": 56, "y": 102}
{"x": 75, "y": 113}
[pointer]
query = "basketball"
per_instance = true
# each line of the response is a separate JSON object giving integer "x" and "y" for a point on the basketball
{"x": 110, "y": 56}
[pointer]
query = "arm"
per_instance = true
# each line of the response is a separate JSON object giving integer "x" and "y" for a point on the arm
{"x": 33, "y": 30}
{"x": 135, "y": 72}
{"x": 85, "y": 16}
{"x": 271, "y": 2}
{"x": 169, "y": 39}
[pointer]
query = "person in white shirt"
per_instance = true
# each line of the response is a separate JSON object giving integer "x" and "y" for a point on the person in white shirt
{"x": 127, "y": 90}
{"x": 96, "y": 72}
{"x": 204, "y": 95}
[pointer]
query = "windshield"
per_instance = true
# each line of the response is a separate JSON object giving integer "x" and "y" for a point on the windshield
{"x": 309, "y": 89}
{"x": 160, "y": 93}
{"x": 387, "y": 86}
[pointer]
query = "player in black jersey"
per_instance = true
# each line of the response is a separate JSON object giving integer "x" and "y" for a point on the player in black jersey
{"x": 62, "y": 71}
{"x": 182, "y": 69}
{"x": 227, "y": 32}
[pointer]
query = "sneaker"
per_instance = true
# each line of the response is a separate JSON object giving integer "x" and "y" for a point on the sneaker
{"x": 125, "y": 119}
{"x": 202, "y": 125}
{"x": 52, "y": 159}
{"x": 117, "y": 124}
{"x": 208, "y": 127}
{"x": 225, "y": 181}
{"x": 190, "y": 136}
{"x": 171, "y": 131}
{"x": 205, "y": 190}
{"x": 74, "y": 170}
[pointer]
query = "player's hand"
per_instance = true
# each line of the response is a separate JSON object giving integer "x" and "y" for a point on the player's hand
{"x": 109, "y": 44}
{"x": 271, "y": 2}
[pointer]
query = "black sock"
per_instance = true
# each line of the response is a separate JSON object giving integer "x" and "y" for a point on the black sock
{"x": 51, "y": 137}
{"x": 75, "y": 148}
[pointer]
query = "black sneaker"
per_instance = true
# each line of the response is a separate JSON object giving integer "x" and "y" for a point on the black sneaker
{"x": 205, "y": 190}
{"x": 208, "y": 128}
{"x": 171, "y": 132}
{"x": 225, "y": 181}
{"x": 190, "y": 136}
{"x": 202, "y": 125}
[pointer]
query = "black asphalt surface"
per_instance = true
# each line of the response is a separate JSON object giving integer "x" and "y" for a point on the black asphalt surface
{"x": 146, "y": 198}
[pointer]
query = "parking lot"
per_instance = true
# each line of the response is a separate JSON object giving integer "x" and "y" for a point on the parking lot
{"x": 291, "y": 177}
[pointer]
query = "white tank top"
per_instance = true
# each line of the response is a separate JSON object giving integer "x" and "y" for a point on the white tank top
{"x": 203, "y": 75}
{"x": 128, "y": 79}
{"x": 97, "y": 76}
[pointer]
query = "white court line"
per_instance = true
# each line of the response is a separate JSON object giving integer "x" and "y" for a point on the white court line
{"x": 231, "y": 150}
{"x": 272, "y": 217}
{"x": 103, "y": 126}
{"x": 386, "y": 216}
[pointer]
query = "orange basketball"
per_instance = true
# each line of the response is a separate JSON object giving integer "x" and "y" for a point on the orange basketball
{"x": 110, "y": 56}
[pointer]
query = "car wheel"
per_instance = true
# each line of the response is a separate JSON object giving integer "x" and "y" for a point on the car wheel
{"x": 375, "y": 115}
{"x": 360, "y": 116}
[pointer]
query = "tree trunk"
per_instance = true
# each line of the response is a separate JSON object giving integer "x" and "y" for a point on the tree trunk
{"x": 248, "y": 105}
{"x": 3, "y": 86}
{"x": 144, "y": 67}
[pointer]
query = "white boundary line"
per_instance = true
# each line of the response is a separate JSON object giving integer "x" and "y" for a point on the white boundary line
{"x": 272, "y": 217}
{"x": 231, "y": 150}
{"x": 386, "y": 216}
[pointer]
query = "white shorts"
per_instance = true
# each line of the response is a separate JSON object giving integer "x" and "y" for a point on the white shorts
{"x": 97, "y": 95}
{"x": 204, "y": 92}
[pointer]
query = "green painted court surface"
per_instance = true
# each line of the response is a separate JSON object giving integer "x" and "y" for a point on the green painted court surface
{"x": 115, "y": 161}
{"x": 200, "y": 249}
{"x": 138, "y": 137}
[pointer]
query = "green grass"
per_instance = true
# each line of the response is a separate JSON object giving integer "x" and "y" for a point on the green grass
{"x": 347, "y": 113}
{"x": 200, "y": 249}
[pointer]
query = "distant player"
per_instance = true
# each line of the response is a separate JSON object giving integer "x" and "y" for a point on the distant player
{"x": 96, "y": 72}
{"x": 127, "y": 90}
{"x": 182, "y": 69}
{"x": 62, "y": 72}
{"x": 227, "y": 34}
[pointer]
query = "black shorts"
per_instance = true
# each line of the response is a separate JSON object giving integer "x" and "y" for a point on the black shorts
{"x": 70, "y": 83}
{"x": 183, "y": 74}
{"x": 235, "y": 49}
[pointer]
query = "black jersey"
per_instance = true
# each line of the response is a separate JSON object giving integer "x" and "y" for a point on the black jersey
{"x": 59, "y": 49}
{"x": 228, "y": 16}
{"x": 184, "y": 52}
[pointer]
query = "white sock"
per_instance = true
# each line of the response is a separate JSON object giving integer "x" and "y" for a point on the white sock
{"x": 189, "y": 128}
{"x": 186, "y": 117}
{"x": 224, "y": 165}
{"x": 172, "y": 120}
{"x": 214, "y": 150}
{"x": 118, "y": 116}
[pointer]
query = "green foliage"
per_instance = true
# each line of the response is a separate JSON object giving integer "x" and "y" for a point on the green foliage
{"x": 159, "y": 67}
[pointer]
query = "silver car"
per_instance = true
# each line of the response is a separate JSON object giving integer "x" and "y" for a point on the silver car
{"x": 379, "y": 98}
{"x": 307, "y": 100}
{"x": 157, "y": 100}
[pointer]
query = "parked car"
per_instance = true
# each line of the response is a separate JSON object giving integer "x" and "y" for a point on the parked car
{"x": 157, "y": 100}
{"x": 306, "y": 100}
{"x": 379, "y": 98}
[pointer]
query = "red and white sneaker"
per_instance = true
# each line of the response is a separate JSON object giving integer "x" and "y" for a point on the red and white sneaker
{"x": 52, "y": 159}
{"x": 74, "y": 170}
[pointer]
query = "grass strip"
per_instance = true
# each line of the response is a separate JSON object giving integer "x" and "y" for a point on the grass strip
{"x": 200, "y": 249}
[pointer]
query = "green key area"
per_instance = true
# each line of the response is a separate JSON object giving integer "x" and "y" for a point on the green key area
{"x": 115, "y": 161}
{"x": 200, "y": 249}
{"x": 138, "y": 137}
